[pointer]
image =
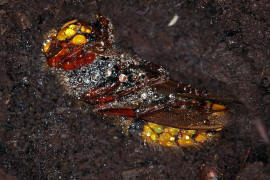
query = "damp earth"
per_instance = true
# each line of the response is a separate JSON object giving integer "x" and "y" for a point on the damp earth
{"x": 215, "y": 45}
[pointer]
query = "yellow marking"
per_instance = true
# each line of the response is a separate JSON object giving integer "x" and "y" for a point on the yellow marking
{"x": 172, "y": 138}
{"x": 208, "y": 104}
{"x": 166, "y": 139}
{"x": 172, "y": 131}
{"x": 74, "y": 27}
{"x": 61, "y": 36}
{"x": 190, "y": 132}
{"x": 156, "y": 127}
{"x": 46, "y": 47}
{"x": 170, "y": 143}
{"x": 149, "y": 135}
{"x": 154, "y": 136}
{"x": 70, "y": 32}
{"x": 68, "y": 23}
{"x": 185, "y": 140}
{"x": 201, "y": 137}
{"x": 88, "y": 31}
{"x": 169, "y": 136}
{"x": 218, "y": 107}
{"x": 78, "y": 39}
{"x": 147, "y": 131}
{"x": 83, "y": 29}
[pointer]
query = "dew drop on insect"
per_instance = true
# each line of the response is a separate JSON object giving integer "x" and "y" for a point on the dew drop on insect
{"x": 155, "y": 96}
{"x": 172, "y": 96}
{"x": 150, "y": 92}
{"x": 102, "y": 43}
{"x": 110, "y": 65}
{"x": 25, "y": 80}
{"x": 95, "y": 76}
{"x": 108, "y": 72}
{"x": 66, "y": 79}
{"x": 207, "y": 122}
{"x": 122, "y": 55}
{"x": 183, "y": 107}
{"x": 84, "y": 70}
{"x": 144, "y": 95}
{"x": 122, "y": 78}
{"x": 86, "y": 80}
{"x": 187, "y": 137}
{"x": 79, "y": 80}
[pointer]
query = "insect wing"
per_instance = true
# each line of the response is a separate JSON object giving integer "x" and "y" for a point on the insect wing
{"x": 188, "y": 119}
{"x": 189, "y": 110}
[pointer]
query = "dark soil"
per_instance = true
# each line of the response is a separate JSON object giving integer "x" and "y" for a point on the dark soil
{"x": 222, "y": 46}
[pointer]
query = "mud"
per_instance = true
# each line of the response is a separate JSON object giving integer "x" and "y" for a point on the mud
{"x": 222, "y": 46}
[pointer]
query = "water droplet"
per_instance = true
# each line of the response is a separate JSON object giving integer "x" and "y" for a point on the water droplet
{"x": 144, "y": 95}
{"x": 122, "y": 78}
{"x": 79, "y": 80}
{"x": 86, "y": 80}
{"x": 108, "y": 72}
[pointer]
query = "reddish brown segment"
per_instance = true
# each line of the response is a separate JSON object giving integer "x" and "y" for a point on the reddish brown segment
{"x": 74, "y": 53}
{"x": 100, "y": 91}
{"x": 187, "y": 119}
{"x": 72, "y": 60}
{"x": 73, "y": 56}
{"x": 196, "y": 115}
{"x": 54, "y": 61}
{"x": 118, "y": 112}
{"x": 74, "y": 64}
{"x": 109, "y": 98}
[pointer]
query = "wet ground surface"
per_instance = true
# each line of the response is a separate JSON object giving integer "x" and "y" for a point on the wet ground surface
{"x": 222, "y": 46}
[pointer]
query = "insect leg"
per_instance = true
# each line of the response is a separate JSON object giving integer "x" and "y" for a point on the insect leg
{"x": 74, "y": 64}
{"x": 118, "y": 112}
{"x": 110, "y": 98}
{"x": 56, "y": 60}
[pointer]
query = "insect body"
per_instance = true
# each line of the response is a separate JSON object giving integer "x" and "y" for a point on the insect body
{"x": 136, "y": 93}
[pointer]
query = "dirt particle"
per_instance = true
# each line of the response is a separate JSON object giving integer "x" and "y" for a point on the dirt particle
{"x": 24, "y": 20}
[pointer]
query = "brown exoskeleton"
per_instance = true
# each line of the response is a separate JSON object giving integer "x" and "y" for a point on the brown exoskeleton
{"x": 137, "y": 93}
